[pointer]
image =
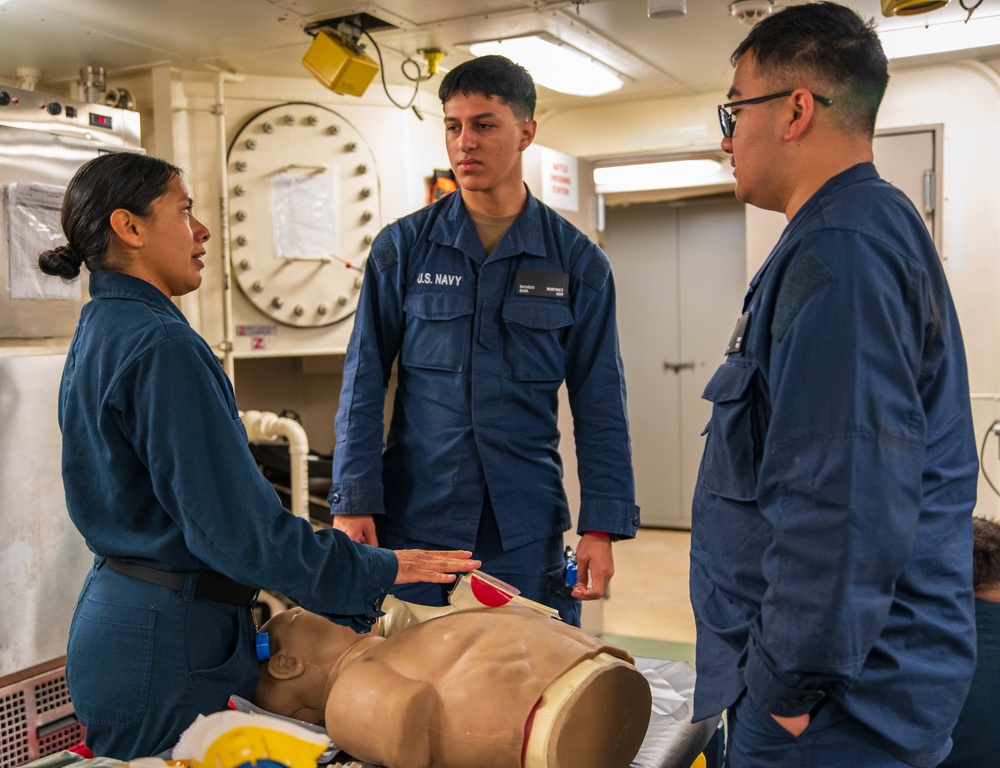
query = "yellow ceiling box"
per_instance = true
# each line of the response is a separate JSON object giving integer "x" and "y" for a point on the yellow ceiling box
{"x": 910, "y": 7}
{"x": 341, "y": 66}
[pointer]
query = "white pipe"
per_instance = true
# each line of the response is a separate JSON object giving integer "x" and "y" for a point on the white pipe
{"x": 228, "y": 332}
{"x": 27, "y": 77}
{"x": 267, "y": 427}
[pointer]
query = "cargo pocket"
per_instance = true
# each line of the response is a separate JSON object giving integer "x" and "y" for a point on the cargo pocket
{"x": 533, "y": 339}
{"x": 729, "y": 464}
{"x": 109, "y": 662}
{"x": 437, "y": 330}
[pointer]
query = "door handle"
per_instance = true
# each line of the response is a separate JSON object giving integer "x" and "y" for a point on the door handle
{"x": 678, "y": 367}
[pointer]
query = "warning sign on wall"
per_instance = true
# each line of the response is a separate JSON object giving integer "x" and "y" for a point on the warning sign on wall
{"x": 560, "y": 184}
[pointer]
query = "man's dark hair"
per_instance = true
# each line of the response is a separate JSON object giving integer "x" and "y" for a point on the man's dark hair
{"x": 493, "y": 76}
{"x": 985, "y": 553}
{"x": 830, "y": 45}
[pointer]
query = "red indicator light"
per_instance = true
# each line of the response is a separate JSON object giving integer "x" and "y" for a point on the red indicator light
{"x": 101, "y": 121}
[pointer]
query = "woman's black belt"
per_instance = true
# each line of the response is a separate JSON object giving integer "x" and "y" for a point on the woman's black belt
{"x": 211, "y": 585}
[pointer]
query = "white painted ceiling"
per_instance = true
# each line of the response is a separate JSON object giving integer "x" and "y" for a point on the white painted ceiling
{"x": 660, "y": 57}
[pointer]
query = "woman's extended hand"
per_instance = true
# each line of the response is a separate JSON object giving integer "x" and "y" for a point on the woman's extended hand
{"x": 435, "y": 566}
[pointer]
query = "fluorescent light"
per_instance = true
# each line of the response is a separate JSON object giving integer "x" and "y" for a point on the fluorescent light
{"x": 672, "y": 174}
{"x": 554, "y": 64}
{"x": 979, "y": 32}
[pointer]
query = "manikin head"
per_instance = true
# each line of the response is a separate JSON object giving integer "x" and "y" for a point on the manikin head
{"x": 304, "y": 649}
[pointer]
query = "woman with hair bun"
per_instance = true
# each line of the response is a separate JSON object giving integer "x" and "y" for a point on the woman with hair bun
{"x": 160, "y": 481}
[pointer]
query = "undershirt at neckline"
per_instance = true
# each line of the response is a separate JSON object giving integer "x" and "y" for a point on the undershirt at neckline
{"x": 491, "y": 229}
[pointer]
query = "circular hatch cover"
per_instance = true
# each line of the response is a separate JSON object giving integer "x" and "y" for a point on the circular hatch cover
{"x": 304, "y": 208}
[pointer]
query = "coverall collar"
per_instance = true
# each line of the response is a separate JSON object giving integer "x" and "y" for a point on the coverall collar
{"x": 853, "y": 175}
{"x": 117, "y": 285}
{"x": 455, "y": 228}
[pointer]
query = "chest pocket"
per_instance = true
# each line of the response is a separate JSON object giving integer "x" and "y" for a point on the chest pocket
{"x": 438, "y": 328}
{"x": 533, "y": 334}
{"x": 729, "y": 465}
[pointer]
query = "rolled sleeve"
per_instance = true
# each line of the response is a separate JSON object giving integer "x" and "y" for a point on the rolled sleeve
{"x": 773, "y": 694}
{"x": 616, "y": 517}
{"x": 356, "y": 497}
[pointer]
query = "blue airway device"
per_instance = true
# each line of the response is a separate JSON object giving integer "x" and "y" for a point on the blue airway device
{"x": 263, "y": 646}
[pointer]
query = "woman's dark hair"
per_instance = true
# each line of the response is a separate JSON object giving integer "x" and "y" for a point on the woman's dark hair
{"x": 985, "y": 553}
{"x": 100, "y": 186}
{"x": 493, "y": 76}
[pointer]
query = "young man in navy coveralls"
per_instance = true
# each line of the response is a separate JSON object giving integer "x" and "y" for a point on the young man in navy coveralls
{"x": 488, "y": 301}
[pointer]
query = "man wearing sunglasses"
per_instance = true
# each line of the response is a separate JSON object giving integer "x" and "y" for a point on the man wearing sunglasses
{"x": 831, "y": 529}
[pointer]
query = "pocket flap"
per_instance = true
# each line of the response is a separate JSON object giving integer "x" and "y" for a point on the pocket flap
{"x": 730, "y": 381}
{"x": 542, "y": 314}
{"x": 438, "y": 306}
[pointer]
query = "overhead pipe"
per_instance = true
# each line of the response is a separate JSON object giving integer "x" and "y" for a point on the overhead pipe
{"x": 228, "y": 331}
{"x": 27, "y": 78}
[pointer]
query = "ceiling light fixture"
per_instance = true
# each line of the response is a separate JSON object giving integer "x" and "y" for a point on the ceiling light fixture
{"x": 669, "y": 174}
{"x": 959, "y": 35}
{"x": 554, "y": 64}
{"x": 665, "y": 9}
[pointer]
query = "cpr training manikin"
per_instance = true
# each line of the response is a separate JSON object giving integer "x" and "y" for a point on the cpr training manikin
{"x": 459, "y": 687}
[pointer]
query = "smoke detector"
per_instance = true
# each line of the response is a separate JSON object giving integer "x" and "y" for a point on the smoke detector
{"x": 749, "y": 12}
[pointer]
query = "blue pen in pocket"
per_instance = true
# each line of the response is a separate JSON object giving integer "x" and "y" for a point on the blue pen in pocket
{"x": 570, "y": 569}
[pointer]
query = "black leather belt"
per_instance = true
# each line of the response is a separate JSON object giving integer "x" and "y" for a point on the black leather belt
{"x": 211, "y": 585}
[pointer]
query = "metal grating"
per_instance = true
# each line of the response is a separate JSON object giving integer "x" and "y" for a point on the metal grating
{"x": 13, "y": 729}
{"x": 62, "y": 739}
{"x": 36, "y": 719}
{"x": 51, "y": 694}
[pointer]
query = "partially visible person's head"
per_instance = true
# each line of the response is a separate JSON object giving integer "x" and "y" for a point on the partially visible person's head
{"x": 985, "y": 554}
{"x": 121, "y": 180}
{"x": 828, "y": 49}
{"x": 493, "y": 76}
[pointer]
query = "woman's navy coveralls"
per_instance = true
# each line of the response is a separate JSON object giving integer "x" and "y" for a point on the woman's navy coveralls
{"x": 158, "y": 472}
